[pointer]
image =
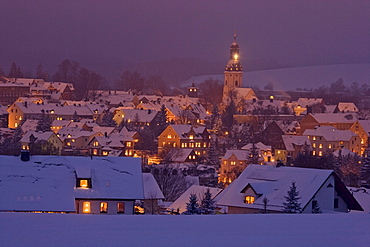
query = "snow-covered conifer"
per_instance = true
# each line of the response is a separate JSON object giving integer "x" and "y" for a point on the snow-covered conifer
{"x": 207, "y": 204}
{"x": 292, "y": 206}
{"x": 192, "y": 207}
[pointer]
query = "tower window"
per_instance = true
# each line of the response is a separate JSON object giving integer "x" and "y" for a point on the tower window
{"x": 236, "y": 83}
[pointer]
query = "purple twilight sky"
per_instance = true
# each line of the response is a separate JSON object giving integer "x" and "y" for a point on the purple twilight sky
{"x": 101, "y": 33}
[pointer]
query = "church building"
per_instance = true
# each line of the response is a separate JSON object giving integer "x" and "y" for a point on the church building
{"x": 233, "y": 77}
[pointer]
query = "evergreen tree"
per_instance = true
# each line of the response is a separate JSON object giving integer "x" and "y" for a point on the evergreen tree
{"x": 253, "y": 154}
{"x": 292, "y": 206}
{"x": 216, "y": 122}
{"x": 107, "y": 120}
{"x": 44, "y": 124}
{"x": 75, "y": 117}
{"x": 192, "y": 207}
{"x": 43, "y": 148}
{"x": 213, "y": 153}
{"x": 365, "y": 169}
{"x": 207, "y": 205}
{"x": 316, "y": 209}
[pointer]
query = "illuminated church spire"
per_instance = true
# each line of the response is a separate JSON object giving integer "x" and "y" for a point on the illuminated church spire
{"x": 233, "y": 72}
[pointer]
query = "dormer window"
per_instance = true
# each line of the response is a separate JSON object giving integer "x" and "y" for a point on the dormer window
{"x": 249, "y": 199}
{"x": 83, "y": 183}
{"x": 191, "y": 137}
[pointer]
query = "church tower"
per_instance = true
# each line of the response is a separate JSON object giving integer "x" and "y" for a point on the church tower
{"x": 233, "y": 73}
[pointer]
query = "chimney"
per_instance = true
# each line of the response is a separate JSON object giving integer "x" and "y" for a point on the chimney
{"x": 25, "y": 155}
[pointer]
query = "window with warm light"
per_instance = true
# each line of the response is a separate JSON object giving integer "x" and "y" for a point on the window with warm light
{"x": 314, "y": 145}
{"x": 95, "y": 143}
{"x": 233, "y": 163}
{"x": 320, "y": 145}
{"x": 249, "y": 199}
{"x": 128, "y": 144}
{"x": 314, "y": 138}
{"x": 120, "y": 208}
{"x": 86, "y": 207}
{"x": 103, "y": 207}
{"x": 191, "y": 137}
{"x": 105, "y": 153}
{"x": 320, "y": 153}
{"x": 169, "y": 136}
{"x": 329, "y": 145}
{"x": 83, "y": 183}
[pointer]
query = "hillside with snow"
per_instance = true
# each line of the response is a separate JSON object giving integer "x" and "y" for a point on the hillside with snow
{"x": 25, "y": 229}
{"x": 301, "y": 77}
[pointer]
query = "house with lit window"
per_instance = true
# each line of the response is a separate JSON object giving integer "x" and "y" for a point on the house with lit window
{"x": 184, "y": 136}
{"x": 327, "y": 138}
{"x": 19, "y": 111}
{"x": 362, "y": 129}
{"x": 232, "y": 164}
{"x": 76, "y": 140}
{"x": 36, "y": 137}
{"x": 340, "y": 121}
{"x": 264, "y": 151}
{"x": 65, "y": 184}
{"x": 317, "y": 188}
{"x": 293, "y": 144}
{"x": 123, "y": 142}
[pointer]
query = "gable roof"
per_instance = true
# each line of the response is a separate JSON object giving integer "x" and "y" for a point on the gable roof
{"x": 334, "y": 117}
{"x": 111, "y": 177}
{"x": 290, "y": 141}
{"x": 239, "y": 154}
{"x": 274, "y": 182}
{"x": 330, "y": 133}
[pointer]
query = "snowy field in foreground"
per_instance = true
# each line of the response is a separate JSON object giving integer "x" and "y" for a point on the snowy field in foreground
{"x": 24, "y": 229}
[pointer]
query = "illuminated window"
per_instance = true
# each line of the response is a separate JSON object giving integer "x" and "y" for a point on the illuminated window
{"x": 95, "y": 152}
{"x": 95, "y": 143}
{"x": 197, "y": 144}
{"x": 16, "y": 125}
{"x": 314, "y": 138}
{"x": 249, "y": 199}
{"x": 103, "y": 207}
{"x": 86, "y": 207}
{"x": 174, "y": 144}
{"x": 169, "y": 136}
{"x": 329, "y": 145}
{"x": 313, "y": 152}
{"x": 191, "y": 137}
{"x": 83, "y": 183}
{"x": 320, "y": 153}
{"x": 105, "y": 153}
{"x": 314, "y": 145}
{"x": 73, "y": 140}
{"x": 120, "y": 208}
{"x": 205, "y": 145}
{"x": 68, "y": 144}
{"x": 233, "y": 163}
{"x": 128, "y": 144}
{"x": 182, "y": 145}
{"x": 20, "y": 117}
{"x": 320, "y": 145}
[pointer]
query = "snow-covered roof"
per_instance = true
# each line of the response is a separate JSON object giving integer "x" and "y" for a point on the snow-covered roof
{"x": 335, "y": 117}
{"x": 239, "y": 154}
{"x": 330, "y": 133}
{"x": 29, "y": 124}
{"x": 57, "y": 109}
{"x": 179, "y": 154}
{"x": 180, "y": 203}
{"x": 151, "y": 188}
{"x": 51, "y": 180}
{"x": 273, "y": 183}
{"x": 291, "y": 140}
{"x": 343, "y": 152}
{"x": 182, "y": 130}
{"x": 309, "y": 101}
{"x": 40, "y": 136}
{"x": 258, "y": 145}
{"x": 29, "y": 186}
{"x": 347, "y": 107}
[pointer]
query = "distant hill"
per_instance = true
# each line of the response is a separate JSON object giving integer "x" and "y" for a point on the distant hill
{"x": 301, "y": 78}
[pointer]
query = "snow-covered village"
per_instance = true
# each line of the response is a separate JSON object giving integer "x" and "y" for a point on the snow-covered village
{"x": 198, "y": 124}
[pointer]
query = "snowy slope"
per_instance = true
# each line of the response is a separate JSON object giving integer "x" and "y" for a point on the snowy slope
{"x": 25, "y": 229}
{"x": 301, "y": 77}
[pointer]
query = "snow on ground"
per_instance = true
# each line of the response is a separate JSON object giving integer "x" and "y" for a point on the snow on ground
{"x": 301, "y": 77}
{"x": 26, "y": 229}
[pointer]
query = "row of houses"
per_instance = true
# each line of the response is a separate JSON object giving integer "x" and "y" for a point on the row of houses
{"x": 112, "y": 185}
